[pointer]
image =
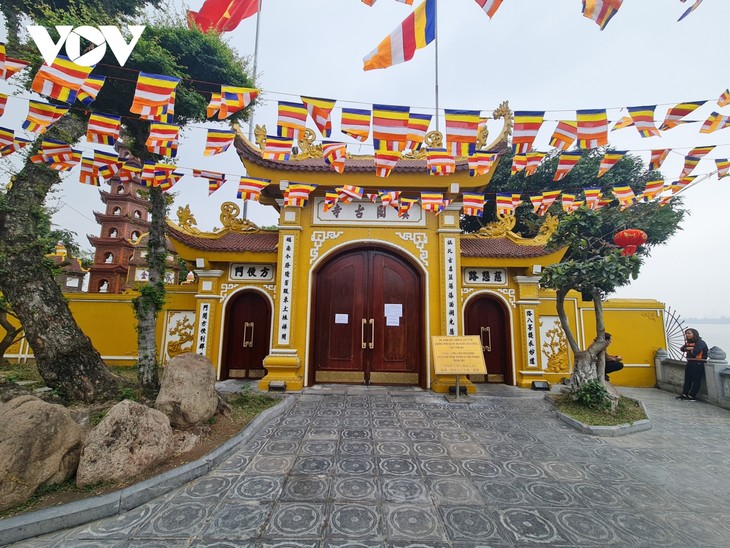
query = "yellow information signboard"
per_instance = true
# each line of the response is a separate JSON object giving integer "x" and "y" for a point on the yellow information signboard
{"x": 458, "y": 355}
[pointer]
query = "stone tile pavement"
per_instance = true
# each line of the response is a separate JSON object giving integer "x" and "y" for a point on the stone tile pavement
{"x": 367, "y": 467}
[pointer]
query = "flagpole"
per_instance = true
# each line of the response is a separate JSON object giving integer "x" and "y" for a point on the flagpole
{"x": 436, "y": 63}
{"x": 244, "y": 212}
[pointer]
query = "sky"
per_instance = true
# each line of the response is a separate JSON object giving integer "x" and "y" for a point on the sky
{"x": 536, "y": 54}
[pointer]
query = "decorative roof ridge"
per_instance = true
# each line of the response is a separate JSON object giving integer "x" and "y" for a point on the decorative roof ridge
{"x": 502, "y": 228}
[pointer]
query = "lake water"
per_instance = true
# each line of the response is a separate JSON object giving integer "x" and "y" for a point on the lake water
{"x": 714, "y": 334}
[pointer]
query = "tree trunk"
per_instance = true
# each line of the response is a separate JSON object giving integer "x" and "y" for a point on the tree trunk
{"x": 152, "y": 298}
{"x": 613, "y": 395}
{"x": 65, "y": 357}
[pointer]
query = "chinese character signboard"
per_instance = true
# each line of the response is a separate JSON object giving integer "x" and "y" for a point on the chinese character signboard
{"x": 251, "y": 272}
{"x": 367, "y": 212}
{"x": 203, "y": 325}
{"x": 530, "y": 337}
{"x": 285, "y": 286}
{"x": 452, "y": 318}
{"x": 485, "y": 276}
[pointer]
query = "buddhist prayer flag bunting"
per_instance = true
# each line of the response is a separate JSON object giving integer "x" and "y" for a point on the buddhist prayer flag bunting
{"x": 417, "y": 129}
{"x": 534, "y": 159}
{"x": 417, "y": 31}
{"x": 536, "y": 202}
{"x": 390, "y": 197}
{"x": 625, "y": 195}
{"x": 129, "y": 171}
{"x": 565, "y": 164}
{"x": 88, "y": 174}
{"x": 432, "y": 201}
{"x": 601, "y": 11}
{"x": 17, "y": 144}
{"x": 385, "y": 161}
{"x": 153, "y": 90}
{"x": 609, "y": 160}
{"x": 481, "y": 162}
{"x": 473, "y": 203}
{"x": 723, "y": 167}
{"x": 347, "y": 193}
{"x": 320, "y": 110}
{"x": 2, "y": 60}
{"x": 166, "y": 180}
{"x": 592, "y": 128}
{"x": 568, "y": 201}
{"x": 489, "y": 6}
{"x": 652, "y": 189}
{"x": 548, "y": 198}
{"x": 297, "y": 194}
{"x": 90, "y": 89}
{"x": 6, "y": 137}
{"x": 643, "y": 118}
{"x": 564, "y": 135}
{"x": 657, "y": 158}
{"x": 163, "y": 139}
{"x": 218, "y": 140}
{"x": 3, "y": 102}
{"x": 163, "y": 113}
{"x": 355, "y": 123}
{"x": 390, "y": 127}
{"x": 676, "y": 114}
{"x": 61, "y": 80}
{"x": 41, "y": 116}
{"x": 372, "y": 197}
{"x": 222, "y": 15}
{"x": 330, "y": 199}
{"x": 701, "y": 152}
{"x": 690, "y": 163}
{"x": 519, "y": 163}
{"x": 506, "y": 203}
{"x": 106, "y": 164}
{"x": 440, "y": 162}
{"x": 624, "y": 121}
{"x": 147, "y": 175}
{"x": 233, "y": 99}
{"x": 334, "y": 154}
{"x": 249, "y": 188}
{"x": 215, "y": 179}
{"x": 593, "y": 195}
{"x": 690, "y": 9}
{"x": 526, "y": 126}
{"x": 103, "y": 129}
{"x": 57, "y": 155}
{"x": 214, "y": 105}
{"x": 160, "y": 173}
{"x": 462, "y": 130}
{"x": 292, "y": 119}
{"x": 13, "y": 66}
{"x": 277, "y": 148}
{"x": 715, "y": 122}
{"x": 683, "y": 183}
{"x": 724, "y": 99}
{"x": 404, "y": 206}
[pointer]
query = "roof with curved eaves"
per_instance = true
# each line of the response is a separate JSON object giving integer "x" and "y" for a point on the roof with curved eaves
{"x": 227, "y": 240}
{"x": 499, "y": 248}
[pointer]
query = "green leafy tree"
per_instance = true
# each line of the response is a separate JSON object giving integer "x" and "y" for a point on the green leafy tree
{"x": 66, "y": 359}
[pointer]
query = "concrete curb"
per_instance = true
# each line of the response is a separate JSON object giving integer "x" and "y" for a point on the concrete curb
{"x": 48, "y": 520}
{"x": 604, "y": 431}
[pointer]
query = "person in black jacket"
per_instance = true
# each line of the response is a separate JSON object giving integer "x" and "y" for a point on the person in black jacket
{"x": 695, "y": 350}
{"x": 613, "y": 362}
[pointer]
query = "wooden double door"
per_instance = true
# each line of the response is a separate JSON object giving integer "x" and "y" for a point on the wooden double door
{"x": 368, "y": 320}
{"x": 486, "y": 317}
{"x": 247, "y": 336}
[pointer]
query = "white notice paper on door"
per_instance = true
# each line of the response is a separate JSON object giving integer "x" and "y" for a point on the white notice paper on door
{"x": 392, "y": 321}
{"x": 393, "y": 310}
{"x": 342, "y": 318}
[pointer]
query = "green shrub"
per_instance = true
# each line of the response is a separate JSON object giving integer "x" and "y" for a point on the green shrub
{"x": 592, "y": 395}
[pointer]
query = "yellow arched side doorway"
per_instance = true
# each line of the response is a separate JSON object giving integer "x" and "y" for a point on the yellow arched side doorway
{"x": 486, "y": 316}
{"x": 246, "y": 337}
{"x": 367, "y": 321}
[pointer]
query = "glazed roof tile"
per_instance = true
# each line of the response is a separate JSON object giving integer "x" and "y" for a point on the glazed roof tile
{"x": 262, "y": 242}
{"x": 499, "y": 247}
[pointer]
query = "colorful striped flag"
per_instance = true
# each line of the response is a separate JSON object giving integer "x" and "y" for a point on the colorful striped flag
{"x": 565, "y": 164}
{"x": 526, "y": 126}
{"x": 568, "y": 202}
{"x": 106, "y": 164}
{"x": 624, "y": 121}
{"x": 292, "y": 119}
{"x": 592, "y": 128}
{"x": 88, "y": 174}
{"x": 385, "y": 161}
{"x": 533, "y": 162}
{"x": 334, "y": 154}
{"x": 320, "y": 111}
{"x": 440, "y": 162}
{"x": 347, "y": 193}
{"x": 690, "y": 163}
{"x": 390, "y": 197}
{"x": 690, "y": 9}
{"x": 129, "y": 172}
{"x": 235, "y": 98}
{"x": 481, "y": 162}
{"x": 218, "y": 140}
{"x": 215, "y": 179}
{"x": 163, "y": 139}
{"x": 42, "y": 116}
{"x": 536, "y": 202}
{"x": 404, "y": 206}
{"x": 601, "y": 11}
{"x": 651, "y": 190}
{"x": 390, "y": 127}
{"x": 506, "y": 204}
{"x": 147, "y": 175}
{"x": 715, "y": 122}
{"x": 417, "y": 31}
{"x": 355, "y": 123}
{"x": 489, "y": 6}
{"x": 249, "y": 188}
{"x": 657, "y": 158}
{"x": 724, "y": 99}
{"x": 61, "y": 80}
{"x": 103, "y": 129}
{"x": 723, "y": 167}
{"x": 3, "y": 102}
{"x": 17, "y": 144}
{"x": 214, "y": 105}
{"x": 3, "y": 56}
{"x": 166, "y": 179}
{"x": 90, "y": 89}
{"x": 701, "y": 152}
{"x": 6, "y": 137}
{"x": 277, "y": 148}
{"x": 432, "y": 201}
{"x": 57, "y": 155}
{"x": 462, "y": 131}
{"x": 564, "y": 135}
{"x": 548, "y": 198}
{"x": 643, "y": 118}
{"x": 625, "y": 195}
{"x": 593, "y": 195}
{"x": 330, "y": 199}
{"x": 152, "y": 90}
{"x": 13, "y": 66}
{"x": 417, "y": 129}
{"x": 473, "y": 203}
{"x": 297, "y": 194}
{"x": 676, "y": 113}
{"x": 519, "y": 163}
{"x": 609, "y": 160}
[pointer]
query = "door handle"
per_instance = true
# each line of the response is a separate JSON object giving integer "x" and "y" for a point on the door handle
{"x": 362, "y": 334}
{"x": 372, "y": 333}
{"x": 248, "y": 343}
{"x": 486, "y": 347}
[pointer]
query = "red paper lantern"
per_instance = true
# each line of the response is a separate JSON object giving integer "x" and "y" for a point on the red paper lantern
{"x": 629, "y": 240}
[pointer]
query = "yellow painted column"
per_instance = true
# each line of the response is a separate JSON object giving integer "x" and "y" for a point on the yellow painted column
{"x": 208, "y": 315}
{"x": 527, "y": 350}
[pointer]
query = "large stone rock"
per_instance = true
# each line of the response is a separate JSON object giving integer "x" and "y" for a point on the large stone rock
{"x": 39, "y": 445}
{"x": 130, "y": 439}
{"x": 187, "y": 395}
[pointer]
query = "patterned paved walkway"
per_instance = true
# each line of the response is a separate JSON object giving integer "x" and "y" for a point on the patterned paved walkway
{"x": 374, "y": 467}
